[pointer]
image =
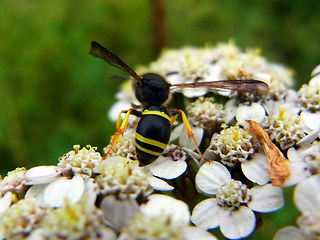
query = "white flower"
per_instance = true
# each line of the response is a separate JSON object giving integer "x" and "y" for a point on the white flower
{"x": 80, "y": 161}
{"x": 232, "y": 145}
{"x": 307, "y": 200}
{"x": 123, "y": 178}
{"x": 184, "y": 140}
{"x": 307, "y": 194}
{"x": 233, "y": 203}
{"x": 118, "y": 211}
{"x": 285, "y": 127}
{"x": 126, "y": 98}
{"x": 56, "y": 192}
{"x": 69, "y": 180}
{"x": 20, "y": 219}
{"x": 254, "y": 111}
{"x": 304, "y": 162}
{"x": 204, "y": 116}
{"x": 6, "y": 200}
{"x": 172, "y": 163}
{"x": 42, "y": 175}
{"x": 125, "y": 145}
{"x": 14, "y": 182}
{"x": 309, "y": 99}
{"x": 163, "y": 217}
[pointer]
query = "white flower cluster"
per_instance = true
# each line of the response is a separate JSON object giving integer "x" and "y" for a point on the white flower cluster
{"x": 251, "y": 147}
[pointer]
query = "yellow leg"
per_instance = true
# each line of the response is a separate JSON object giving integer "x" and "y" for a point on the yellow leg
{"x": 119, "y": 119}
{"x": 174, "y": 118}
{"x": 188, "y": 130}
{"x": 121, "y": 127}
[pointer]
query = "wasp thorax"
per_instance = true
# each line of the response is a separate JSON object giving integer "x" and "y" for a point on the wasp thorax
{"x": 153, "y": 89}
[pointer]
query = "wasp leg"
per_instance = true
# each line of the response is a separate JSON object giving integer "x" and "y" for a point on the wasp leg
{"x": 174, "y": 113}
{"x": 121, "y": 127}
{"x": 133, "y": 112}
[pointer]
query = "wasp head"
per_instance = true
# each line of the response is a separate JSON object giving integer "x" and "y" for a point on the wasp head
{"x": 152, "y": 89}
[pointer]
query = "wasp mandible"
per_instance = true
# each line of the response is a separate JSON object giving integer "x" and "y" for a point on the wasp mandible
{"x": 152, "y": 90}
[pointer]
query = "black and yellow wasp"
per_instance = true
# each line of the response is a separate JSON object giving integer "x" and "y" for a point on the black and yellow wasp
{"x": 152, "y": 91}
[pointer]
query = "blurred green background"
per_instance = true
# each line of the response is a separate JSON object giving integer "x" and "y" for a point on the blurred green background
{"x": 53, "y": 94}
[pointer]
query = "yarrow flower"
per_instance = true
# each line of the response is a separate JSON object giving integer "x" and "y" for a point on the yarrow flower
{"x": 124, "y": 179}
{"x": 80, "y": 161}
{"x": 205, "y": 116}
{"x": 21, "y": 219}
{"x": 233, "y": 202}
{"x": 286, "y": 129}
{"x": 232, "y": 145}
{"x": 163, "y": 217}
{"x": 307, "y": 200}
{"x": 309, "y": 96}
{"x": 125, "y": 146}
{"x": 26, "y": 219}
{"x": 173, "y": 162}
{"x": 12, "y": 188}
{"x": 273, "y": 137}
{"x": 304, "y": 161}
{"x": 224, "y": 61}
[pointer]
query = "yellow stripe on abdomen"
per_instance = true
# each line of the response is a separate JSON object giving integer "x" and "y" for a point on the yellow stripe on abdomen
{"x": 147, "y": 150}
{"x": 158, "y": 113}
{"x": 150, "y": 141}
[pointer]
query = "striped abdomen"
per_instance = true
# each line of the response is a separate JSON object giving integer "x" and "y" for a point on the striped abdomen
{"x": 152, "y": 134}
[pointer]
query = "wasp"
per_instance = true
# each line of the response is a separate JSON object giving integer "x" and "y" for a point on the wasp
{"x": 152, "y": 91}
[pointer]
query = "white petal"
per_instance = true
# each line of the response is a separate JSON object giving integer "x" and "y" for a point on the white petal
{"x": 315, "y": 71}
{"x": 192, "y": 233}
{"x": 118, "y": 212}
{"x": 311, "y": 120}
{"x": 307, "y": 194}
{"x": 315, "y": 80}
{"x": 5, "y": 202}
{"x": 164, "y": 205}
{"x": 175, "y": 133}
{"x": 256, "y": 169}
{"x": 266, "y": 198}
{"x": 187, "y": 142}
{"x": 237, "y": 224}
{"x": 253, "y": 112}
{"x": 42, "y": 174}
{"x": 211, "y": 176}
{"x": 289, "y": 233}
{"x": 159, "y": 184}
{"x": 165, "y": 167}
{"x": 192, "y": 92}
{"x": 117, "y": 108}
{"x": 206, "y": 214}
{"x": 64, "y": 188}
{"x": 307, "y": 140}
{"x": 230, "y": 109}
{"x": 294, "y": 155}
{"x": 298, "y": 172}
{"x": 91, "y": 191}
{"x": 37, "y": 191}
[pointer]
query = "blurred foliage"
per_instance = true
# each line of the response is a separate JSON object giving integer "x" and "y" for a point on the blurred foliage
{"x": 53, "y": 94}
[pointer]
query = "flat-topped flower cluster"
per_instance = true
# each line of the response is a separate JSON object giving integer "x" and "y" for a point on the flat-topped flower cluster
{"x": 254, "y": 146}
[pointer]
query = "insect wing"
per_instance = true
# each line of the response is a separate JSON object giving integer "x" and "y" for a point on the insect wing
{"x": 252, "y": 86}
{"x": 101, "y": 52}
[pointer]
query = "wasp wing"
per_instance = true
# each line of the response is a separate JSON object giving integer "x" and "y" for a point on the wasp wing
{"x": 101, "y": 52}
{"x": 252, "y": 86}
